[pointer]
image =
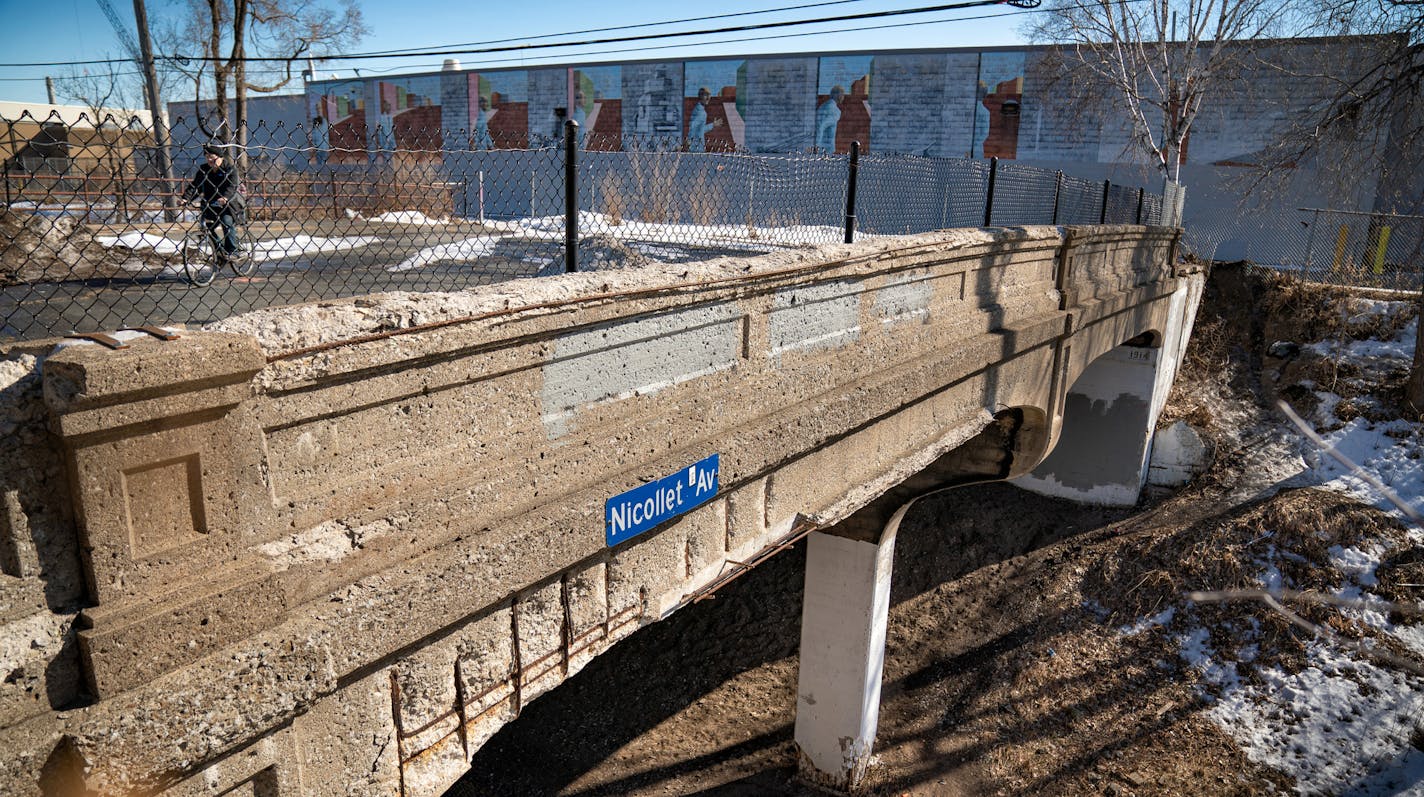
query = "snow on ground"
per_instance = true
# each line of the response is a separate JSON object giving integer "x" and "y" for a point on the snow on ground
{"x": 413, "y": 217}
{"x": 757, "y": 238}
{"x": 1390, "y": 450}
{"x": 1344, "y": 724}
{"x": 468, "y": 249}
{"x": 268, "y": 249}
{"x": 139, "y": 240}
{"x": 1340, "y": 726}
{"x": 654, "y": 240}
{"x": 280, "y": 248}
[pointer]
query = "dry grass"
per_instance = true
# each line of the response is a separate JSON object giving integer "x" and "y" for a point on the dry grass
{"x": 654, "y": 181}
{"x": 613, "y": 200}
{"x": 408, "y": 181}
{"x": 703, "y": 200}
{"x": 1309, "y": 311}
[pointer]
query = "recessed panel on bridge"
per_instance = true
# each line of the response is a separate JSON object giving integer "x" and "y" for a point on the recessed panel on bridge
{"x": 631, "y": 513}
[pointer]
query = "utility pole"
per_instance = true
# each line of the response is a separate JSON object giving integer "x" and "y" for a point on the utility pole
{"x": 155, "y": 107}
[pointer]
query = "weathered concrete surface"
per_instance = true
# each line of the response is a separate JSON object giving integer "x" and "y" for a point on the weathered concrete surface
{"x": 1110, "y": 414}
{"x": 332, "y": 558}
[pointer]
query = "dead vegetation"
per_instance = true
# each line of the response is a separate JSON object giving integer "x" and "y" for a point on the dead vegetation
{"x": 612, "y": 198}
{"x": 654, "y": 183}
{"x": 36, "y": 247}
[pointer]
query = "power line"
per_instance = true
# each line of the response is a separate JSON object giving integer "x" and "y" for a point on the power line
{"x": 640, "y": 37}
{"x": 619, "y": 27}
{"x": 74, "y": 63}
{"x": 649, "y": 48}
{"x": 419, "y": 53}
{"x": 424, "y": 51}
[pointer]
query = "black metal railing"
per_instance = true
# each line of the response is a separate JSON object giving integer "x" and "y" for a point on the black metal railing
{"x": 89, "y": 227}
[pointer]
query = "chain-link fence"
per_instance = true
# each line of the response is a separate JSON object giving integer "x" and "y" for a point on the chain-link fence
{"x": 1340, "y": 247}
{"x": 94, "y": 236}
{"x": 1381, "y": 250}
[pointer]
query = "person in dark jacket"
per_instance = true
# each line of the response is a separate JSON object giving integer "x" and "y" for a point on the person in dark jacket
{"x": 215, "y": 186}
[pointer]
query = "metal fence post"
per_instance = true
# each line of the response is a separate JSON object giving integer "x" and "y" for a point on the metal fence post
{"x": 1107, "y": 189}
{"x": 1057, "y": 192}
{"x": 1140, "y": 193}
{"x": 989, "y": 192}
{"x": 14, "y": 155}
{"x": 123, "y": 191}
{"x": 850, "y": 192}
{"x": 1310, "y": 242}
{"x": 570, "y": 196}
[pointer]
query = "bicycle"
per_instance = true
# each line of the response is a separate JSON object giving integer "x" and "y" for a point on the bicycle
{"x": 201, "y": 261}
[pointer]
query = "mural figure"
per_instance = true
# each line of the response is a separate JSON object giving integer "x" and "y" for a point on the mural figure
{"x": 843, "y": 102}
{"x": 385, "y": 134}
{"x": 321, "y": 142}
{"x": 698, "y": 124}
{"x": 598, "y": 106}
{"x": 483, "y": 112}
{"x": 828, "y": 116}
{"x": 711, "y": 113}
{"x": 653, "y": 93}
{"x": 342, "y": 134}
{"x": 480, "y": 112}
{"x": 996, "y": 115}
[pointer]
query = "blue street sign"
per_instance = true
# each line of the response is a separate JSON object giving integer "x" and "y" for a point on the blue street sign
{"x": 643, "y": 507}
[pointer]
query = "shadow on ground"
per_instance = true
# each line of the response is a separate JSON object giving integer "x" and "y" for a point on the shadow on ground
{"x": 616, "y": 727}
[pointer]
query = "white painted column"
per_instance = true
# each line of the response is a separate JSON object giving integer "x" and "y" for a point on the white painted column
{"x": 843, "y": 619}
{"x": 1110, "y": 414}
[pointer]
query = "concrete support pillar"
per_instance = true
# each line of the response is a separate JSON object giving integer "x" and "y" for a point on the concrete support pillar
{"x": 843, "y": 621}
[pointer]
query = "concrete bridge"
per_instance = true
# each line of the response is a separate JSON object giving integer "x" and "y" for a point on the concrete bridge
{"x": 338, "y": 566}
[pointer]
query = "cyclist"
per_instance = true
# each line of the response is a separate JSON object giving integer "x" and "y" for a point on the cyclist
{"x": 218, "y": 189}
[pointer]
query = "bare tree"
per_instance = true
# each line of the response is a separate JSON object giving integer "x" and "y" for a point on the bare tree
{"x": 1162, "y": 61}
{"x": 1374, "y": 113}
{"x": 1159, "y": 62}
{"x": 1375, "y": 103}
{"x": 101, "y": 91}
{"x": 255, "y": 46}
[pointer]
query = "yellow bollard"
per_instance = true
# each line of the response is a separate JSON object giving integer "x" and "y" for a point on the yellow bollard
{"x": 1340, "y": 248}
{"x": 1379, "y": 250}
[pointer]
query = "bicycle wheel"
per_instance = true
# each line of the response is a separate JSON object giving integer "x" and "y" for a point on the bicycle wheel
{"x": 199, "y": 259}
{"x": 242, "y": 262}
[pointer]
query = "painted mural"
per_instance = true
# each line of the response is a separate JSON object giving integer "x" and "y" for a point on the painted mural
{"x": 551, "y": 96}
{"x": 843, "y": 102}
{"x": 956, "y": 104}
{"x": 499, "y": 109}
{"x": 652, "y": 108}
{"x": 407, "y": 117}
{"x": 338, "y": 126}
{"x": 714, "y": 106}
{"x": 996, "y": 115}
{"x": 598, "y": 106}
{"x": 778, "y": 99}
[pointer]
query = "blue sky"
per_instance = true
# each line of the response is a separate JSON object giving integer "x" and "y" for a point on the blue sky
{"x": 74, "y": 30}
